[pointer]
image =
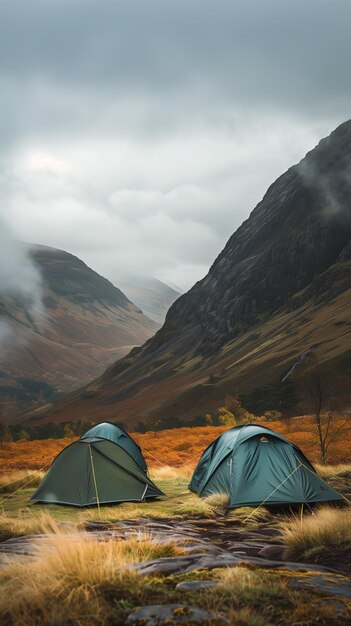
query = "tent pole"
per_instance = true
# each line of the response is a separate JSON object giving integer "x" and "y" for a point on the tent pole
{"x": 94, "y": 478}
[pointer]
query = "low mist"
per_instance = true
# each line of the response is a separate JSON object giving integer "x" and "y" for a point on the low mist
{"x": 19, "y": 278}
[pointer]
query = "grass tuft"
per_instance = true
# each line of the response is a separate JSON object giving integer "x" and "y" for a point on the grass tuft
{"x": 194, "y": 506}
{"x": 329, "y": 529}
{"x": 25, "y": 524}
{"x": 218, "y": 502}
{"x": 76, "y": 579}
{"x": 251, "y": 516}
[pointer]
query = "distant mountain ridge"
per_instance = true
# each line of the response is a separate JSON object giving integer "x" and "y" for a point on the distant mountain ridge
{"x": 86, "y": 323}
{"x": 151, "y": 295}
{"x": 281, "y": 284}
{"x": 66, "y": 275}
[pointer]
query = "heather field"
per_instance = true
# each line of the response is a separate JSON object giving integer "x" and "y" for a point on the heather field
{"x": 176, "y": 447}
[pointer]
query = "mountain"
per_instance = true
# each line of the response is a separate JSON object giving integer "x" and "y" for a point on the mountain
{"x": 85, "y": 325}
{"x": 151, "y": 295}
{"x": 280, "y": 287}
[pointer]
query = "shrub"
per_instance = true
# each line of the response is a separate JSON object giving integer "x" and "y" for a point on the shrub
{"x": 232, "y": 413}
{"x": 272, "y": 416}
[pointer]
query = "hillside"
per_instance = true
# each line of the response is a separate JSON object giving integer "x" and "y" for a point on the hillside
{"x": 281, "y": 286}
{"x": 85, "y": 324}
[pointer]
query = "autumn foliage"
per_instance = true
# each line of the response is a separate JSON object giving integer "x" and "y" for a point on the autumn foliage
{"x": 179, "y": 446}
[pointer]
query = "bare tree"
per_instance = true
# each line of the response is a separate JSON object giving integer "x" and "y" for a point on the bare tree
{"x": 5, "y": 435}
{"x": 316, "y": 390}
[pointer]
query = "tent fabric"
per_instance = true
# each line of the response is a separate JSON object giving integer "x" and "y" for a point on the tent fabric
{"x": 94, "y": 471}
{"x": 254, "y": 464}
{"x": 107, "y": 430}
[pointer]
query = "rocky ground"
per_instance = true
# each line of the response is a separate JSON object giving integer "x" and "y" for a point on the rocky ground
{"x": 209, "y": 544}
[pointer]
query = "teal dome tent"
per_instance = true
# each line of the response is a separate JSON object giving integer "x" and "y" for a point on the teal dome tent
{"x": 114, "y": 433}
{"x": 96, "y": 470}
{"x": 255, "y": 465}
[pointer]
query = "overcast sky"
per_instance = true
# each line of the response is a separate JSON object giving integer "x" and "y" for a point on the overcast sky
{"x": 138, "y": 134}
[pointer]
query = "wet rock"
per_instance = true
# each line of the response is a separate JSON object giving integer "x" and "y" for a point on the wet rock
{"x": 190, "y": 563}
{"x": 165, "y": 565}
{"x": 20, "y": 545}
{"x": 195, "y": 585}
{"x": 90, "y": 526}
{"x": 202, "y": 547}
{"x": 331, "y": 584}
{"x": 172, "y": 614}
{"x": 271, "y": 552}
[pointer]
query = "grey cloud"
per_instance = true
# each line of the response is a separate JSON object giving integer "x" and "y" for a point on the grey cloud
{"x": 166, "y": 42}
{"x": 64, "y": 65}
{"x": 141, "y": 133}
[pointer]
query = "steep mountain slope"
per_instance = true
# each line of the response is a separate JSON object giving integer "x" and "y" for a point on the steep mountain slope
{"x": 85, "y": 324}
{"x": 152, "y": 296}
{"x": 281, "y": 285}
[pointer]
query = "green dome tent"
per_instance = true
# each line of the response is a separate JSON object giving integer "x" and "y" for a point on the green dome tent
{"x": 94, "y": 471}
{"x": 255, "y": 465}
{"x": 114, "y": 433}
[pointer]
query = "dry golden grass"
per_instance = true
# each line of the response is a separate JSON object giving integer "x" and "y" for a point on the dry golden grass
{"x": 328, "y": 529}
{"x": 342, "y": 470}
{"x": 189, "y": 506}
{"x": 75, "y": 579}
{"x": 168, "y": 472}
{"x": 249, "y": 515}
{"x": 218, "y": 502}
{"x": 25, "y": 524}
{"x": 12, "y": 481}
{"x": 129, "y": 511}
{"x": 194, "y": 506}
{"x": 216, "y": 505}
